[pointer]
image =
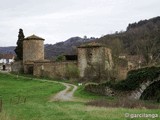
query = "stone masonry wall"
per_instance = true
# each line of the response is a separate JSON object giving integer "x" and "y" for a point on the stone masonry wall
{"x": 17, "y": 67}
{"x": 33, "y": 50}
{"x": 93, "y": 61}
{"x": 51, "y": 69}
{"x": 108, "y": 59}
{"x": 87, "y": 57}
{"x": 82, "y": 61}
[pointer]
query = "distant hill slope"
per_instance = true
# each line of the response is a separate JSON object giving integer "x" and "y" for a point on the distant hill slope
{"x": 68, "y": 47}
{"x": 6, "y": 50}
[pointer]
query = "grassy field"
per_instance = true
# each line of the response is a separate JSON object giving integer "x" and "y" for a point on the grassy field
{"x": 27, "y": 99}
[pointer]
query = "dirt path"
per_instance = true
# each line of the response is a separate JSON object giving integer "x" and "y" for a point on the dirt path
{"x": 66, "y": 94}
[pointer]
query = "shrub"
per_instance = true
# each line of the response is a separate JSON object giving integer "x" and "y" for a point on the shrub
{"x": 72, "y": 71}
{"x": 60, "y": 58}
{"x": 135, "y": 78}
{"x": 95, "y": 88}
{"x": 158, "y": 98}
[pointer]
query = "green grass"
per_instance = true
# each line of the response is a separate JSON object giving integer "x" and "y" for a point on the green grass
{"x": 37, "y": 106}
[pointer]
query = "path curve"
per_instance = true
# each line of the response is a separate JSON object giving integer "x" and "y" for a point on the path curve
{"x": 66, "y": 94}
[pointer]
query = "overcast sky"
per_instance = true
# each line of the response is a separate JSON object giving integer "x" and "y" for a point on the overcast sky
{"x": 58, "y": 20}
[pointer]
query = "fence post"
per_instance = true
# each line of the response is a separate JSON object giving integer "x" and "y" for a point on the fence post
{"x": 1, "y": 104}
{"x": 24, "y": 100}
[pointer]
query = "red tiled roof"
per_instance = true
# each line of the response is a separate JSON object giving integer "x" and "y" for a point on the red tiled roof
{"x": 7, "y": 56}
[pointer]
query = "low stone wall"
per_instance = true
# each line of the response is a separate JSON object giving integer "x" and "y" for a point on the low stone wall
{"x": 122, "y": 73}
{"x": 52, "y": 69}
{"x": 17, "y": 67}
{"x": 99, "y": 89}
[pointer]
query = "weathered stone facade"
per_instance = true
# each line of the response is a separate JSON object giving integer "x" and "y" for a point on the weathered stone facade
{"x": 17, "y": 67}
{"x": 136, "y": 94}
{"x": 28, "y": 67}
{"x": 52, "y": 69}
{"x": 33, "y": 48}
{"x": 107, "y": 91}
{"x": 93, "y": 60}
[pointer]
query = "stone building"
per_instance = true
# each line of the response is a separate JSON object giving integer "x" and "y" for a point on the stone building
{"x": 33, "y": 50}
{"x": 6, "y": 58}
{"x": 34, "y": 62}
{"x": 94, "y": 60}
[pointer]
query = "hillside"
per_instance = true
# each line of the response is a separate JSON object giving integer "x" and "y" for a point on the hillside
{"x": 141, "y": 38}
{"x": 68, "y": 47}
{"x": 6, "y": 50}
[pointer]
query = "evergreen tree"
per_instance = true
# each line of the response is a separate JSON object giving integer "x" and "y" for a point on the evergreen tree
{"x": 19, "y": 49}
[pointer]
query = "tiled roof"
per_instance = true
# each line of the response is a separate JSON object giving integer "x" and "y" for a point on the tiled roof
{"x": 6, "y": 56}
{"x": 33, "y": 37}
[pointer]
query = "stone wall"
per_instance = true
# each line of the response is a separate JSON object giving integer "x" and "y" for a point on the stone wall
{"x": 98, "y": 89}
{"x": 121, "y": 73}
{"x": 108, "y": 59}
{"x": 93, "y": 61}
{"x": 28, "y": 67}
{"x": 51, "y": 69}
{"x": 33, "y": 50}
{"x": 17, "y": 67}
{"x": 136, "y": 94}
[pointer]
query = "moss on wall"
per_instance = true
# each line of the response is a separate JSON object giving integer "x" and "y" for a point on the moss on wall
{"x": 133, "y": 81}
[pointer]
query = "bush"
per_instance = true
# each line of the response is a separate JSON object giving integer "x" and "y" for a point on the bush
{"x": 95, "y": 88}
{"x": 100, "y": 89}
{"x": 72, "y": 71}
{"x": 135, "y": 78}
{"x": 158, "y": 98}
{"x": 60, "y": 58}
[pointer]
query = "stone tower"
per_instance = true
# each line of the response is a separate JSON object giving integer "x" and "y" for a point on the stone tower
{"x": 94, "y": 60}
{"x": 33, "y": 48}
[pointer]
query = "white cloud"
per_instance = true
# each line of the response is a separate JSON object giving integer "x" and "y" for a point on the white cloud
{"x": 57, "y": 20}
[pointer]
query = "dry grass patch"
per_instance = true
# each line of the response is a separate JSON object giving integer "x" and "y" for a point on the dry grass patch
{"x": 124, "y": 103}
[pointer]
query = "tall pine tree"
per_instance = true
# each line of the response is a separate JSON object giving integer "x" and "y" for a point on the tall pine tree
{"x": 19, "y": 49}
